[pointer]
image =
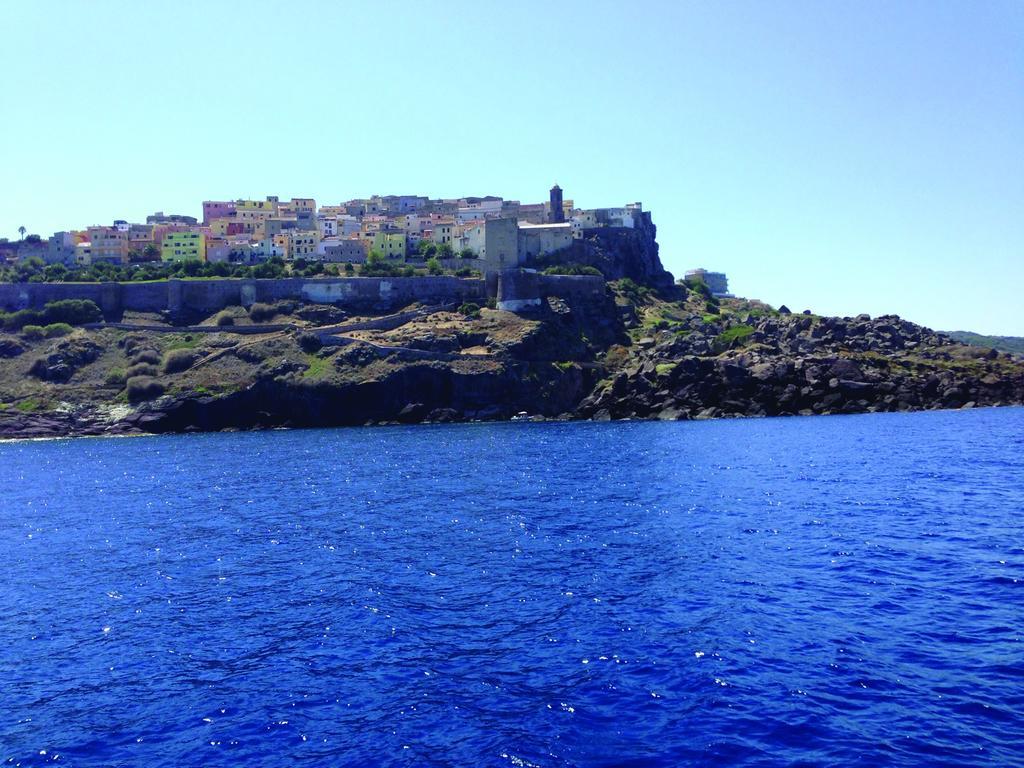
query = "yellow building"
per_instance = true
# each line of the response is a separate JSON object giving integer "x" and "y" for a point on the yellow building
{"x": 302, "y": 243}
{"x": 182, "y": 246}
{"x": 392, "y": 245}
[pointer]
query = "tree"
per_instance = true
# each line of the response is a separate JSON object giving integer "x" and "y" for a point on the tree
{"x": 151, "y": 253}
{"x": 444, "y": 250}
{"x": 465, "y": 253}
{"x": 375, "y": 258}
{"x": 434, "y": 266}
{"x": 426, "y": 248}
{"x": 21, "y": 231}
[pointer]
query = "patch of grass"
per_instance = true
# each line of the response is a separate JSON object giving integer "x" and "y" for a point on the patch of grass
{"x": 709, "y": 318}
{"x": 565, "y": 365}
{"x": 318, "y": 368}
{"x": 664, "y": 369}
{"x": 29, "y": 405}
{"x": 182, "y": 341}
{"x": 737, "y": 332}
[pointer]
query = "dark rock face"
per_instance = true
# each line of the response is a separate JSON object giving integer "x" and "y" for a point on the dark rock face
{"x": 61, "y": 362}
{"x": 621, "y": 252}
{"x": 798, "y": 366}
{"x": 10, "y": 347}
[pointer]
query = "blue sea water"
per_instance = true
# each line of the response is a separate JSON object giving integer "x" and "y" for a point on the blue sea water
{"x": 807, "y": 591}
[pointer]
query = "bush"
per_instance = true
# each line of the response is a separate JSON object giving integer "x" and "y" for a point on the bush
{"x": 632, "y": 290}
{"x": 349, "y": 268}
{"x": 146, "y": 356}
{"x": 55, "y": 330}
{"x": 142, "y": 369}
{"x": 260, "y": 313}
{"x": 73, "y": 312}
{"x": 573, "y": 269}
{"x": 115, "y": 377}
{"x": 434, "y": 266}
{"x": 469, "y": 309}
{"x": 465, "y": 272}
{"x": 309, "y": 342}
{"x": 143, "y": 388}
{"x": 178, "y": 360}
{"x": 224, "y": 318}
{"x": 15, "y": 321}
{"x": 34, "y": 332}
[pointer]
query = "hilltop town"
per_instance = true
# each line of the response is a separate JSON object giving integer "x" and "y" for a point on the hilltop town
{"x": 406, "y": 309}
{"x": 466, "y": 235}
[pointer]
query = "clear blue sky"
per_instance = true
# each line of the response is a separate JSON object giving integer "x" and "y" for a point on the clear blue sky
{"x": 844, "y": 157}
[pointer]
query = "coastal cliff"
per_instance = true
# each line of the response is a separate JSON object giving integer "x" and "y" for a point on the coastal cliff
{"x": 633, "y": 352}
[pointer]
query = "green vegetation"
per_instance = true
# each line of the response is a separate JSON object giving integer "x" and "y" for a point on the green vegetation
{"x": 67, "y": 311}
{"x": 736, "y": 333}
{"x": 573, "y": 269}
{"x": 28, "y": 405}
{"x": 632, "y": 290}
{"x": 148, "y": 356}
{"x": 142, "y": 369}
{"x": 565, "y": 365}
{"x": 261, "y": 313}
{"x": 115, "y": 377}
{"x": 224, "y": 319}
{"x": 177, "y": 360}
{"x": 1012, "y": 344}
{"x": 318, "y": 367}
{"x": 434, "y": 267}
{"x": 470, "y": 310}
{"x": 664, "y": 369}
{"x": 139, "y": 388}
{"x": 186, "y": 341}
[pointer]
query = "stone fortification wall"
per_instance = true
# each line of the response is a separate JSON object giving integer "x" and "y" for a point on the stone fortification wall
{"x": 520, "y": 290}
{"x": 212, "y": 295}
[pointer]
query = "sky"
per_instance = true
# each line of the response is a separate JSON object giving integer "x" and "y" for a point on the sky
{"x": 843, "y": 157}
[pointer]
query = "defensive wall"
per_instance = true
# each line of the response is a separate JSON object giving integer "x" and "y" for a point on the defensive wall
{"x": 200, "y": 295}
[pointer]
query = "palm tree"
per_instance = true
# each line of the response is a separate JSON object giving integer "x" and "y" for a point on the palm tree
{"x": 21, "y": 231}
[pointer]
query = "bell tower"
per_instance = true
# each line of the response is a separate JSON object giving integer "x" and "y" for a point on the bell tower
{"x": 556, "y": 215}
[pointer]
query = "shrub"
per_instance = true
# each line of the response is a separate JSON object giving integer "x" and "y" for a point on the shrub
{"x": 54, "y": 330}
{"x": 632, "y": 290}
{"x": 149, "y": 356}
{"x": 15, "y": 321}
{"x": 34, "y": 332}
{"x": 309, "y": 342}
{"x": 434, "y": 266}
{"x": 465, "y": 272}
{"x": 573, "y": 269}
{"x": 115, "y": 377}
{"x": 465, "y": 253}
{"x": 178, "y": 360}
{"x": 469, "y": 309}
{"x": 224, "y": 318}
{"x": 260, "y": 313}
{"x": 349, "y": 268}
{"x": 142, "y": 369}
{"x": 72, "y": 311}
{"x": 143, "y": 388}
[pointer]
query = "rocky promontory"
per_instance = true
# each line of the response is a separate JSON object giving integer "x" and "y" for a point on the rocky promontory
{"x": 638, "y": 352}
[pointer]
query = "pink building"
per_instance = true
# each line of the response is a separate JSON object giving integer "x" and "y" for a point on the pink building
{"x": 214, "y": 209}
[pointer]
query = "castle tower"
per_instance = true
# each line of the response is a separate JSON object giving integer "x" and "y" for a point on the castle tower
{"x": 556, "y": 215}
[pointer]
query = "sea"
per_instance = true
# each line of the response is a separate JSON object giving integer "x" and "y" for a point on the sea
{"x": 820, "y": 591}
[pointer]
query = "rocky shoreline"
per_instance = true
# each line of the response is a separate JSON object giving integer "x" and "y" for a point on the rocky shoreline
{"x": 633, "y": 355}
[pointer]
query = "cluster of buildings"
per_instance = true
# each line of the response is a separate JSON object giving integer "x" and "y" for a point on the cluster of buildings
{"x": 500, "y": 233}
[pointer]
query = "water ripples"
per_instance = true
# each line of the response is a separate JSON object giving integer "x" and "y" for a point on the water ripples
{"x": 841, "y": 590}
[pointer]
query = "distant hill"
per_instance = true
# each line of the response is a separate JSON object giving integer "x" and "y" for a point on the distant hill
{"x": 1014, "y": 344}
